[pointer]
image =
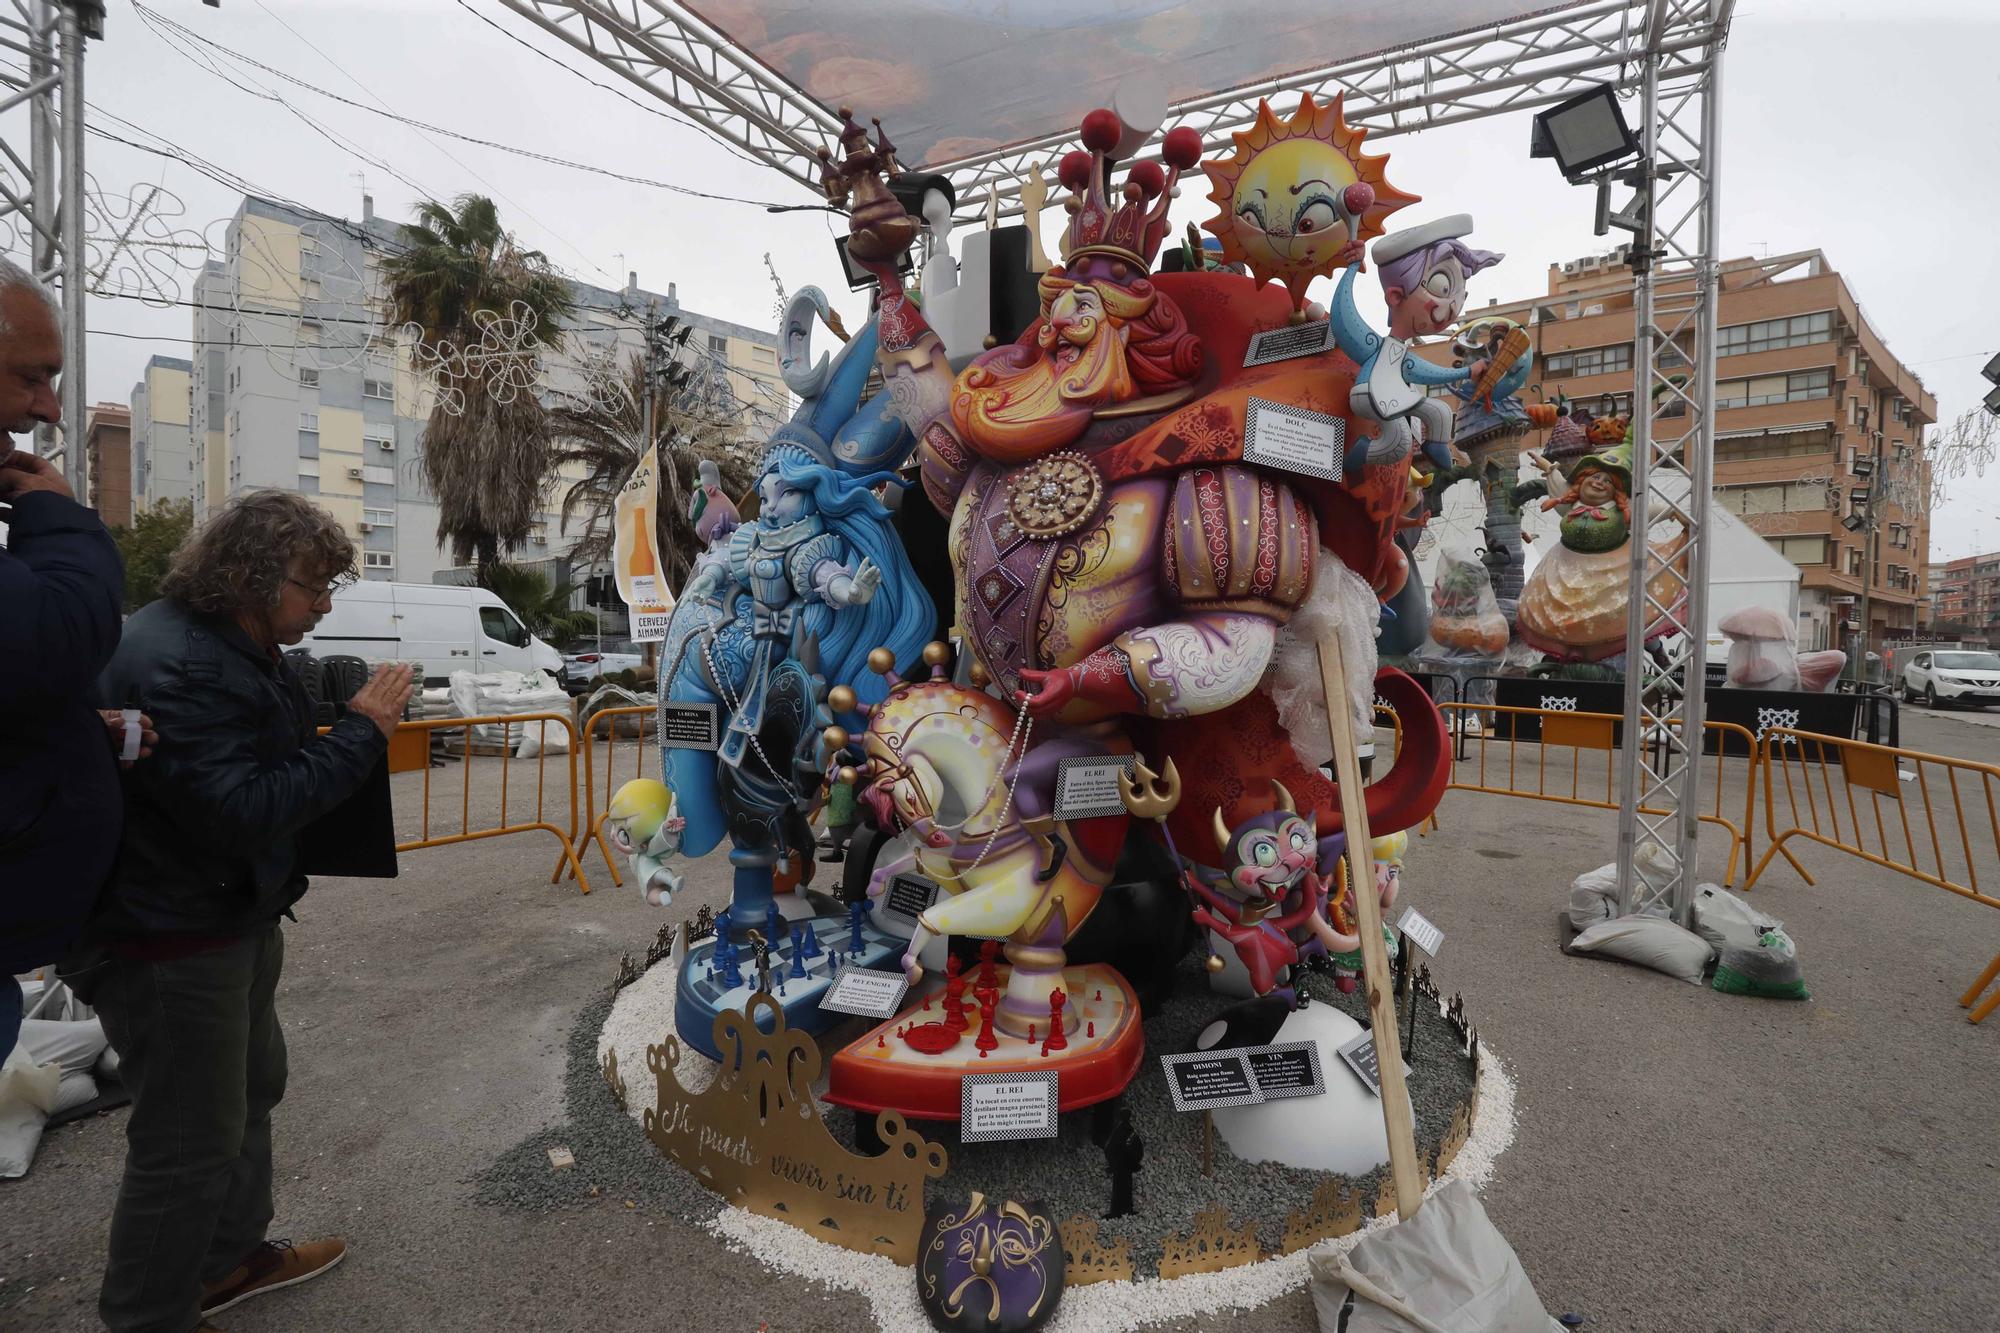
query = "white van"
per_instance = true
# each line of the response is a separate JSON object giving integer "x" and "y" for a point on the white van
{"x": 445, "y": 628}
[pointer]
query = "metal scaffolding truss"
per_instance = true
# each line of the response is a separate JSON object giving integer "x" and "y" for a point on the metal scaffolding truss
{"x": 667, "y": 49}
{"x": 1673, "y": 449}
{"x": 41, "y": 198}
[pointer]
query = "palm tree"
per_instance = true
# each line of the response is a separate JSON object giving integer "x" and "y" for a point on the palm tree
{"x": 604, "y": 429}
{"x": 542, "y": 607}
{"x": 486, "y": 448}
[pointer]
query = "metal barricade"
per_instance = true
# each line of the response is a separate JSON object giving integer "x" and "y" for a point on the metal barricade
{"x": 1811, "y": 783}
{"x": 503, "y": 755}
{"x": 1544, "y": 730}
{"x": 593, "y": 814}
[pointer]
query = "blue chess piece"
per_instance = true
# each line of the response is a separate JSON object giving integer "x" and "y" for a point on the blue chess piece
{"x": 855, "y": 913}
{"x": 732, "y": 975}
{"x": 798, "y": 958}
{"x": 774, "y": 925}
{"x": 723, "y": 925}
{"x": 812, "y": 943}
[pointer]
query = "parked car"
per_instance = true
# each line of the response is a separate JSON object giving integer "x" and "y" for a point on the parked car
{"x": 1952, "y": 676}
{"x": 583, "y": 669}
{"x": 445, "y": 628}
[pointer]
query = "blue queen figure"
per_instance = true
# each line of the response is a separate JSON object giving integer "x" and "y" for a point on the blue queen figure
{"x": 795, "y": 599}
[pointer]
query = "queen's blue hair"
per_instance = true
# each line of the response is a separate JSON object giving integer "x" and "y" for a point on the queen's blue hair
{"x": 900, "y": 617}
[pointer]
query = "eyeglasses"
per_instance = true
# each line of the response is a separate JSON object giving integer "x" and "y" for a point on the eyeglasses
{"x": 318, "y": 593}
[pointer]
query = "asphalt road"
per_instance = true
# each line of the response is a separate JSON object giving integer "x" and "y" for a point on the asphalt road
{"x": 1685, "y": 1160}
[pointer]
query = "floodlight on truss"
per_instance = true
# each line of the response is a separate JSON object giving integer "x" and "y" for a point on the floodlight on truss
{"x": 1584, "y": 133}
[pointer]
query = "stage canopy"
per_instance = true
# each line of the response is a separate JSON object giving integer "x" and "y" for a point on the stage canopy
{"x": 986, "y": 90}
{"x": 960, "y": 79}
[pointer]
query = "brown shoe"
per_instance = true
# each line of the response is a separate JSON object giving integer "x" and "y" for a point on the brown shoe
{"x": 274, "y": 1264}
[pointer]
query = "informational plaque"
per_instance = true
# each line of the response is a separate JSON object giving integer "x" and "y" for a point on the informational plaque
{"x": 1205, "y": 1080}
{"x": 909, "y": 895}
{"x": 649, "y": 623}
{"x": 865, "y": 991}
{"x": 689, "y": 726}
{"x": 1087, "y": 785}
{"x": 1007, "y": 1106}
{"x": 1294, "y": 439}
{"x": 1293, "y": 340}
{"x": 1360, "y": 1056}
{"x": 1420, "y": 931}
{"x": 1289, "y": 1069}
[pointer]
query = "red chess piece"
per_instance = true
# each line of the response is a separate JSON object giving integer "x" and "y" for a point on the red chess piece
{"x": 954, "y": 997}
{"x": 989, "y": 976}
{"x": 986, "y": 1041}
{"x": 1056, "y": 1040}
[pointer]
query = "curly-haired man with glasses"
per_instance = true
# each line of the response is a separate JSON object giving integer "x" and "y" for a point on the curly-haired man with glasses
{"x": 183, "y": 954}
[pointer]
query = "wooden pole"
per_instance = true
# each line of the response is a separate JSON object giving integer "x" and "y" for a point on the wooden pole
{"x": 1396, "y": 1117}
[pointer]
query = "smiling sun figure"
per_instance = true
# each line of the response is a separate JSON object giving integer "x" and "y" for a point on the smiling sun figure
{"x": 1299, "y": 198}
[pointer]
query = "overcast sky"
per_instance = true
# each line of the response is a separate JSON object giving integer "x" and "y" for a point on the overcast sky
{"x": 1866, "y": 130}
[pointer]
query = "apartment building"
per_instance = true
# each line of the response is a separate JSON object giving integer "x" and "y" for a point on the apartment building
{"x": 297, "y": 383}
{"x": 1965, "y": 597}
{"x": 162, "y": 447}
{"x": 107, "y": 445}
{"x": 1813, "y": 413}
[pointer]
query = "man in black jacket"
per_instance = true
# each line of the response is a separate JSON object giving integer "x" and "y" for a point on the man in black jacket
{"x": 184, "y": 951}
{"x": 61, "y": 586}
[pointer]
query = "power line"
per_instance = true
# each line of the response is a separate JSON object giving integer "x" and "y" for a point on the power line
{"x": 649, "y": 108}
{"x": 344, "y": 73}
{"x": 389, "y": 113}
{"x": 196, "y": 59}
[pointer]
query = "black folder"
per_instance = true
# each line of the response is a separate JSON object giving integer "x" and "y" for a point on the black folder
{"x": 357, "y": 838}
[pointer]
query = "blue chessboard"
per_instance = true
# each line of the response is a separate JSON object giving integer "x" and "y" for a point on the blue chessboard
{"x": 802, "y": 966}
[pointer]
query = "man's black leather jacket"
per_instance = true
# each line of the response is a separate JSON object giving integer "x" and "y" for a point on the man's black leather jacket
{"x": 212, "y": 819}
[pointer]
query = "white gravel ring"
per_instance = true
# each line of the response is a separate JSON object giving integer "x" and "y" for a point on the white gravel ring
{"x": 643, "y": 1014}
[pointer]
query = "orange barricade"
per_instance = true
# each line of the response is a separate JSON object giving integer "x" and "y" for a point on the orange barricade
{"x": 593, "y": 815}
{"x": 429, "y": 727}
{"x": 1817, "y": 777}
{"x": 1529, "y": 776}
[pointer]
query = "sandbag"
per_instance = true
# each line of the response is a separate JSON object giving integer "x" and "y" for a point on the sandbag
{"x": 1650, "y": 941}
{"x": 1446, "y": 1270}
{"x": 499, "y": 693}
{"x": 28, "y": 1096}
{"x": 1727, "y": 921}
{"x": 1769, "y": 970}
{"x": 1593, "y": 895}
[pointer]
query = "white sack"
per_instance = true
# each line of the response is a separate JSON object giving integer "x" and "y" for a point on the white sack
{"x": 1727, "y": 921}
{"x": 1446, "y": 1270}
{"x": 1650, "y": 941}
{"x": 28, "y": 1096}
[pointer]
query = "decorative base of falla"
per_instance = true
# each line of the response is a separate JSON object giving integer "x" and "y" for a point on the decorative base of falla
{"x": 1088, "y": 1257}
{"x": 755, "y": 1137}
{"x": 1215, "y": 1242}
{"x": 913, "y": 1062}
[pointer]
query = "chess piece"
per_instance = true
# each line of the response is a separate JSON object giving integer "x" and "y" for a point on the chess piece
{"x": 954, "y": 995}
{"x": 1057, "y": 1041}
{"x": 986, "y": 1041}
{"x": 989, "y": 976}
{"x": 855, "y": 913}
{"x": 798, "y": 954}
